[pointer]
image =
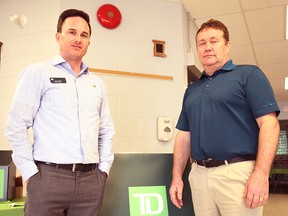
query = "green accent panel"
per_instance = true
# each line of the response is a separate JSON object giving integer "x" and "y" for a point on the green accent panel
{"x": 148, "y": 201}
{"x": 2, "y": 177}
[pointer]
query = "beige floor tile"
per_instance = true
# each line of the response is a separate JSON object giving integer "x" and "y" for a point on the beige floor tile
{"x": 277, "y": 205}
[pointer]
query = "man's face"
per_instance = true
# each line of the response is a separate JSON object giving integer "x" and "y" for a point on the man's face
{"x": 74, "y": 38}
{"x": 212, "y": 49}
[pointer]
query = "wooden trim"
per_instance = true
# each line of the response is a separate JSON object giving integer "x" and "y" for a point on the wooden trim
{"x": 124, "y": 73}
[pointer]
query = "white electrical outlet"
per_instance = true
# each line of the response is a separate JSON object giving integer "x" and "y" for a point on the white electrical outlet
{"x": 165, "y": 128}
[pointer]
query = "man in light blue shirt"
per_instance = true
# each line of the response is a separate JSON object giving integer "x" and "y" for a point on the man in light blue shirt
{"x": 67, "y": 164}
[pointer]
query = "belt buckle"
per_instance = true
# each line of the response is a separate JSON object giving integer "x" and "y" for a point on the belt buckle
{"x": 206, "y": 161}
{"x": 74, "y": 168}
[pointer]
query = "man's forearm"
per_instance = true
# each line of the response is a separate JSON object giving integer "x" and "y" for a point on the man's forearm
{"x": 268, "y": 143}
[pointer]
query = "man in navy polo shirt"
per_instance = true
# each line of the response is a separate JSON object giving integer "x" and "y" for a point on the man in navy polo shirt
{"x": 228, "y": 126}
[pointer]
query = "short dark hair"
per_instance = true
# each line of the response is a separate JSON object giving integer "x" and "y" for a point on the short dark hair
{"x": 214, "y": 24}
{"x": 72, "y": 13}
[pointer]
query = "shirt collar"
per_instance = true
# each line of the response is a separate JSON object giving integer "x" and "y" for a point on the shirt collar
{"x": 59, "y": 60}
{"x": 228, "y": 66}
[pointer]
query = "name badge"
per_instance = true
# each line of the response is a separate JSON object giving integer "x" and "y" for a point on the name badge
{"x": 57, "y": 80}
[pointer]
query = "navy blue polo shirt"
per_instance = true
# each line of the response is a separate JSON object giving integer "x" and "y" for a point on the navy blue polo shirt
{"x": 220, "y": 111}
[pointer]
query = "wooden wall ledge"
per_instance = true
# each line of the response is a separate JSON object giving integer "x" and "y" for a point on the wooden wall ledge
{"x": 134, "y": 74}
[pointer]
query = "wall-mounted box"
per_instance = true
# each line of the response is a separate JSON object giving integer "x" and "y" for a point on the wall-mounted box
{"x": 159, "y": 48}
{"x": 165, "y": 128}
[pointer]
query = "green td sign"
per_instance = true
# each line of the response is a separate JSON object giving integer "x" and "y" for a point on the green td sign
{"x": 148, "y": 201}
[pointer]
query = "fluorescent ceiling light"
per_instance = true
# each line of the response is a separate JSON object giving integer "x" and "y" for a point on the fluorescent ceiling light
{"x": 286, "y": 83}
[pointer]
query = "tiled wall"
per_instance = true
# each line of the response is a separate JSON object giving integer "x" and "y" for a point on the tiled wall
{"x": 135, "y": 102}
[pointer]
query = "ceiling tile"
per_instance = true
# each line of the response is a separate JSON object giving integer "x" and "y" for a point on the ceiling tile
{"x": 270, "y": 53}
{"x": 266, "y": 25}
{"x": 209, "y": 8}
{"x": 242, "y": 55}
{"x": 258, "y": 4}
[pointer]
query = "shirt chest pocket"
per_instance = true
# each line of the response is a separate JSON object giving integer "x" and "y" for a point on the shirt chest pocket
{"x": 90, "y": 99}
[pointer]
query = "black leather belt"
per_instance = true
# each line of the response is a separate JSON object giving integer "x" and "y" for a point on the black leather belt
{"x": 72, "y": 167}
{"x": 215, "y": 163}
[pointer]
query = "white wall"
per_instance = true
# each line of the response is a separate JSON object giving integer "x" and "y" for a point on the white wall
{"x": 135, "y": 102}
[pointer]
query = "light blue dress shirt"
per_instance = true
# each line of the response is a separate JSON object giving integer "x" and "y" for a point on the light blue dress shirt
{"x": 69, "y": 115}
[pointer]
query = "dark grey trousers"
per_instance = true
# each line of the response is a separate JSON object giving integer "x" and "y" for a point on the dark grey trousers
{"x": 59, "y": 192}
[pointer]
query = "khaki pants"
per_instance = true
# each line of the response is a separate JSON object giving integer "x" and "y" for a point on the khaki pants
{"x": 59, "y": 192}
{"x": 219, "y": 191}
